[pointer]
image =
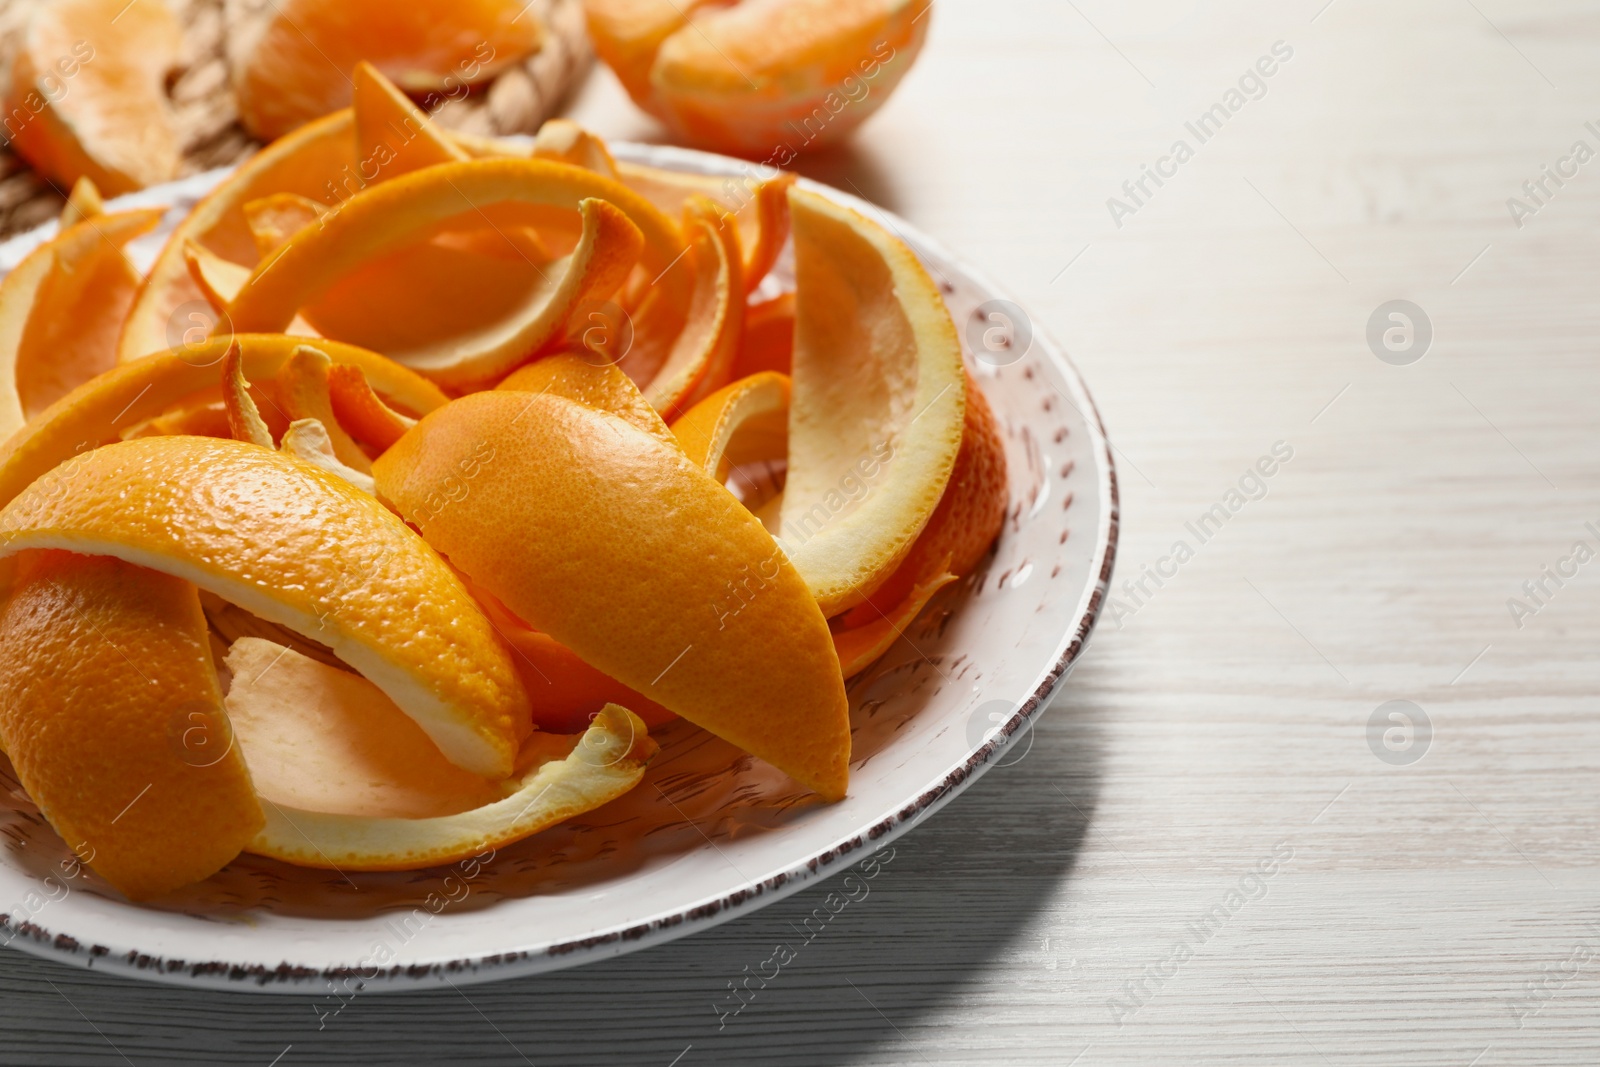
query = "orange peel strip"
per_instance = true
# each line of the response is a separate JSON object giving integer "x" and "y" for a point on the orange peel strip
{"x": 393, "y": 135}
{"x": 348, "y": 783}
{"x": 317, "y": 160}
{"x": 744, "y": 422}
{"x": 605, "y": 387}
{"x": 303, "y": 390}
{"x": 311, "y": 440}
{"x": 386, "y": 218}
{"x": 219, "y": 280}
{"x": 760, "y": 209}
{"x": 563, "y": 525}
{"x": 361, "y": 411}
{"x": 231, "y": 517}
{"x": 701, "y": 355}
{"x": 61, "y": 309}
{"x": 244, "y": 418}
{"x": 112, "y": 716}
{"x": 859, "y": 647}
{"x": 879, "y": 396}
{"x": 97, "y": 412}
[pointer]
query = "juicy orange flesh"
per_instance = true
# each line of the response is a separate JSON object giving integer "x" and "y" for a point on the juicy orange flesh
{"x": 300, "y": 65}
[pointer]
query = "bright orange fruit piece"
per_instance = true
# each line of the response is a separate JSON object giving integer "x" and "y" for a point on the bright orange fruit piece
{"x": 296, "y": 65}
{"x": 763, "y": 78}
{"x": 87, "y": 96}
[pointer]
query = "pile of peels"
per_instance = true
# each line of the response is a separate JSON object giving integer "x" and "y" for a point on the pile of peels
{"x": 422, "y": 476}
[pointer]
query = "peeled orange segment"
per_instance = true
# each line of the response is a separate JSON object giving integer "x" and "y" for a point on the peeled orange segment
{"x": 879, "y": 396}
{"x": 219, "y": 280}
{"x": 317, "y": 161}
{"x": 564, "y": 141}
{"x": 111, "y": 714}
{"x": 395, "y": 135}
{"x": 605, "y": 387}
{"x": 771, "y": 78}
{"x": 462, "y": 341}
{"x": 296, "y": 64}
{"x": 83, "y": 203}
{"x": 60, "y": 311}
{"x": 304, "y": 392}
{"x": 860, "y": 647}
{"x": 768, "y": 341}
{"x": 302, "y": 549}
{"x": 361, "y": 411}
{"x": 700, "y": 357}
{"x": 87, "y": 96}
{"x": 968, "y": 519}
{"x": 703, "y": 615}
{"x": 628, "y": 33}
{"x": 102, "y": 409}
{"x": 276, "y": 218}
{"x": 745, "y": 422}
{"x": 760, "y": 209}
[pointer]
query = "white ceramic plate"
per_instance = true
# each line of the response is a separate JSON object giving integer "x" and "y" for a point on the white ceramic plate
{"x": 710, "y": 832}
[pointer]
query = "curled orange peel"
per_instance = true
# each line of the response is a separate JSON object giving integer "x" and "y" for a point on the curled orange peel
{"x": 393, "y": 135}
{"x": 318, "y": 160}
{"x": 560, "y": 521}
{"x": 384, "y": 219}
{"x": 102, "y": 409}
{"x": 304, "y": 392}
{"x": 112, "y": 716}
{"x": 361, "y": 411}
{"x": 61, "y": 309}
{"x": 244, "y": 417}
{"x": 699, "y": 357}
{"x": 228, "y": 516}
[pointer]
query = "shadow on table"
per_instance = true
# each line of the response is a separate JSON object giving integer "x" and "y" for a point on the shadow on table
{"x": 951, "y": 897}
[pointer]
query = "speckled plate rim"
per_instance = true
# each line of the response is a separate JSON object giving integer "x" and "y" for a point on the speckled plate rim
{"x": 667, "y": 926}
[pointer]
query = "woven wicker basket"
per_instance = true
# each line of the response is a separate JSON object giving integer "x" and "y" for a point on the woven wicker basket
{"x": 515, "y": 102}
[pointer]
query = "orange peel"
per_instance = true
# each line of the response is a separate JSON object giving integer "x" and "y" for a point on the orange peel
{"x": 393, "y": 135}
{"x": 111, "y": 714}
{"x": 361, "y": 411}
{"x": 61, "y": 310}
{"x": 879, "y": 397}
{"x": 304, "y": 391}
{"x": 386, "y": 218}
{"x": 233, "y": 518}
{"x": 102, "y": 409}
{"x": 317, "y": 161}
{"x": 604, "y": 387}
{"x": 83, "y": 202}
{"x": 564, "y": 529}
{"x": 276, "y": 218}
{"x": 348, "y": 783}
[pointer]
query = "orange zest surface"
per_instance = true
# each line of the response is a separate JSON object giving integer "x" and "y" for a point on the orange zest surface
{"x": 561, "y": 524}
{"x": 112, "y": 716}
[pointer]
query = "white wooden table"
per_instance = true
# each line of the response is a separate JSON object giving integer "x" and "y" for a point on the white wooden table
{"x": 1202, "y": 859}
